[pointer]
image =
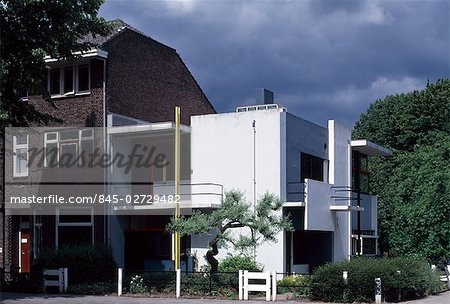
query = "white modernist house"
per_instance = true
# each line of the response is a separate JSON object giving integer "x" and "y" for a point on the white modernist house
{"x": 319, "y": 172}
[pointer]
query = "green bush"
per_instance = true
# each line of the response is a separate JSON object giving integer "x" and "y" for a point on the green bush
{"x": 137, "y": 285}
{"x": 235, "y": 263}
{"x": 296, "y": 284}
{"x": 86, "y": 264}
{"x": 408, "y": 277}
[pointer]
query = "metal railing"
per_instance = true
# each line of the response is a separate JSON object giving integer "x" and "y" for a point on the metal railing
{"x": 189, "y": 192}
{"x": 295, "y": 191}
{"x": 192, "y": 283}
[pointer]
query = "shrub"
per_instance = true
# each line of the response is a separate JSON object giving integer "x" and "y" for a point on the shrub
{"x": 86, "y": 264}
{"x": 297, "y": 284}
{"x": 235, "y": 263}
{"x": 409, "y": 277}
{"x": 101, "y": 288}
{"x": 137, "y": 285}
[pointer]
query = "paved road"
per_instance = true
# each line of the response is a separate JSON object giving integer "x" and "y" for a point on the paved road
{"x": 14, "y": 298}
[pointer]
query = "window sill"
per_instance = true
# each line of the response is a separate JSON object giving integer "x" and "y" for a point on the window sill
{"x": 70, "y": 95}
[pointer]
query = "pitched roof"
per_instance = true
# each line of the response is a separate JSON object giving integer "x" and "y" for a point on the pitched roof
{"x": 118, "y": 26}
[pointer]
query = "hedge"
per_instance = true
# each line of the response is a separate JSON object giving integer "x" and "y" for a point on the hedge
{"x": 86, "y": 264}
{"x": 409, "y": 277}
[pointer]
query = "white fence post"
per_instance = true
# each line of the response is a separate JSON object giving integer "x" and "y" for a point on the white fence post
{"x": 178, "y": 283}
{"x": 268, "y": 287}
{"x": 269, "y": 284}
{"x": 61, "y": 279}
{"x": 377, "y": 290}
{"x": 119, "y": 281}
{"x": 245, "y": 284}
{"x": 240, "y": 284}
{"x": 448, "y": 276}
{"x": 66, "y": 279}
{"x": 274, "y": 286}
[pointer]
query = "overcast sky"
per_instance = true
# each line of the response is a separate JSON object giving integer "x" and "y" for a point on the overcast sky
{"x": 323, "y": 59}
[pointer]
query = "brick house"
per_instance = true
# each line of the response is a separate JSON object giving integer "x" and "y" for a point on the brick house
{"x": 129, "y": 78}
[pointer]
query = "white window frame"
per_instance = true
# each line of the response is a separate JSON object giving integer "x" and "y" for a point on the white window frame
{"x": 73, "y": 224}
{"x": 17, "y": 146}
{"x": 51, "y": 141}
{"x": 75, "y": 91}
{"x": 60, "y": 142}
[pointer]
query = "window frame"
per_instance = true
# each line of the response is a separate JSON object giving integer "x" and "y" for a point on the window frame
{"x": 17, "y": 146}
{"x": 72, "y": 141}
{"x": 73, "y": 224}
{"x": 75, "y": 80}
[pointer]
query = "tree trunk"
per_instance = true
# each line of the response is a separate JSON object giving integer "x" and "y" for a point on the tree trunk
{"x": 211, "y": 253}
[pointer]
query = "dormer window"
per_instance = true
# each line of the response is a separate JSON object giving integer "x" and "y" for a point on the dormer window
{"x": 69, "y": 80}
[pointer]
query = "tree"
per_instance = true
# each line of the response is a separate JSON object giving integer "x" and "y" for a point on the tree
{"x": 262, "y": 224}
{"x": 30, "y": 30}
{"x": 413, "y": 185}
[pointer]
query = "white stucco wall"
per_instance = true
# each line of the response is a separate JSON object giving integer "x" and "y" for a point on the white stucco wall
{"x": 222, "y": 152}
{"x": 340, "y": 175}
{"x": 317, "y": 208}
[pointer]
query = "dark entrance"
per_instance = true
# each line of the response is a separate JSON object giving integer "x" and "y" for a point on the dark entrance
{"x": 312, "y": 247}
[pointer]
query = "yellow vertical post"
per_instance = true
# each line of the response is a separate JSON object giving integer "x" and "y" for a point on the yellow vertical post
{"x": 177, "y": 243}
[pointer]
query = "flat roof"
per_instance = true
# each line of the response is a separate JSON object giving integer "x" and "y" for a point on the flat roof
{"x": 369, "y": 148}
{"x": 168, "y": 127}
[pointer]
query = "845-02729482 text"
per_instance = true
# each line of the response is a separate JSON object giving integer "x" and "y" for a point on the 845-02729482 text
{"x": 98, "y": 199}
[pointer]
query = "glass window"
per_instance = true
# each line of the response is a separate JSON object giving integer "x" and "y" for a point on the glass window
{"x": 68, "y": 155}
{"x": 68, "y": 148}
{"x": 51, "y": 155}
{"x": 311, "y": 167}
{"x": 20, "y": 157}
{"x": 68, "y": 79}
{"x": 75, "y": 227}
{"x": 73, "y": 235}
{"x": 68, "y": 135}
{"x": 369, "y": 246}
{"x": 360, "y": 176}
{"x": 21, "y": 165}
{"x": 83, "y": 78}
{"x": 61, "y": 80}
{"x": 54, "y": 81}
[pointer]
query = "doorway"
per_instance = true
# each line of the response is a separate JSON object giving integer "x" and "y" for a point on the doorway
{"x": 25, "y": 251}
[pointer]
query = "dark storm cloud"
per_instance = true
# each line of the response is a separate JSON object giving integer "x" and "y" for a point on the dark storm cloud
{"x": 323, "y": 59}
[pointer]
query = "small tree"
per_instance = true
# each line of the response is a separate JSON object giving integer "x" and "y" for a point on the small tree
{"x": 263, "y": 224}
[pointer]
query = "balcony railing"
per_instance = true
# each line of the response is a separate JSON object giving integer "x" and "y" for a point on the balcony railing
{"x": 295, "y": 192}
{"x": 195, "y": 195}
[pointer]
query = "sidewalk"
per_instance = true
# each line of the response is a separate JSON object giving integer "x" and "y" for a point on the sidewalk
{"x": 15, "y": 298}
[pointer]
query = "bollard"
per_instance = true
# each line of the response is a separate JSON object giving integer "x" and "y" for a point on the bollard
{"x": 119, "y": 281}
{"x": 345, "y": 276}
{"x": 178, "y": 288}
{"x": 377, "y": 290}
